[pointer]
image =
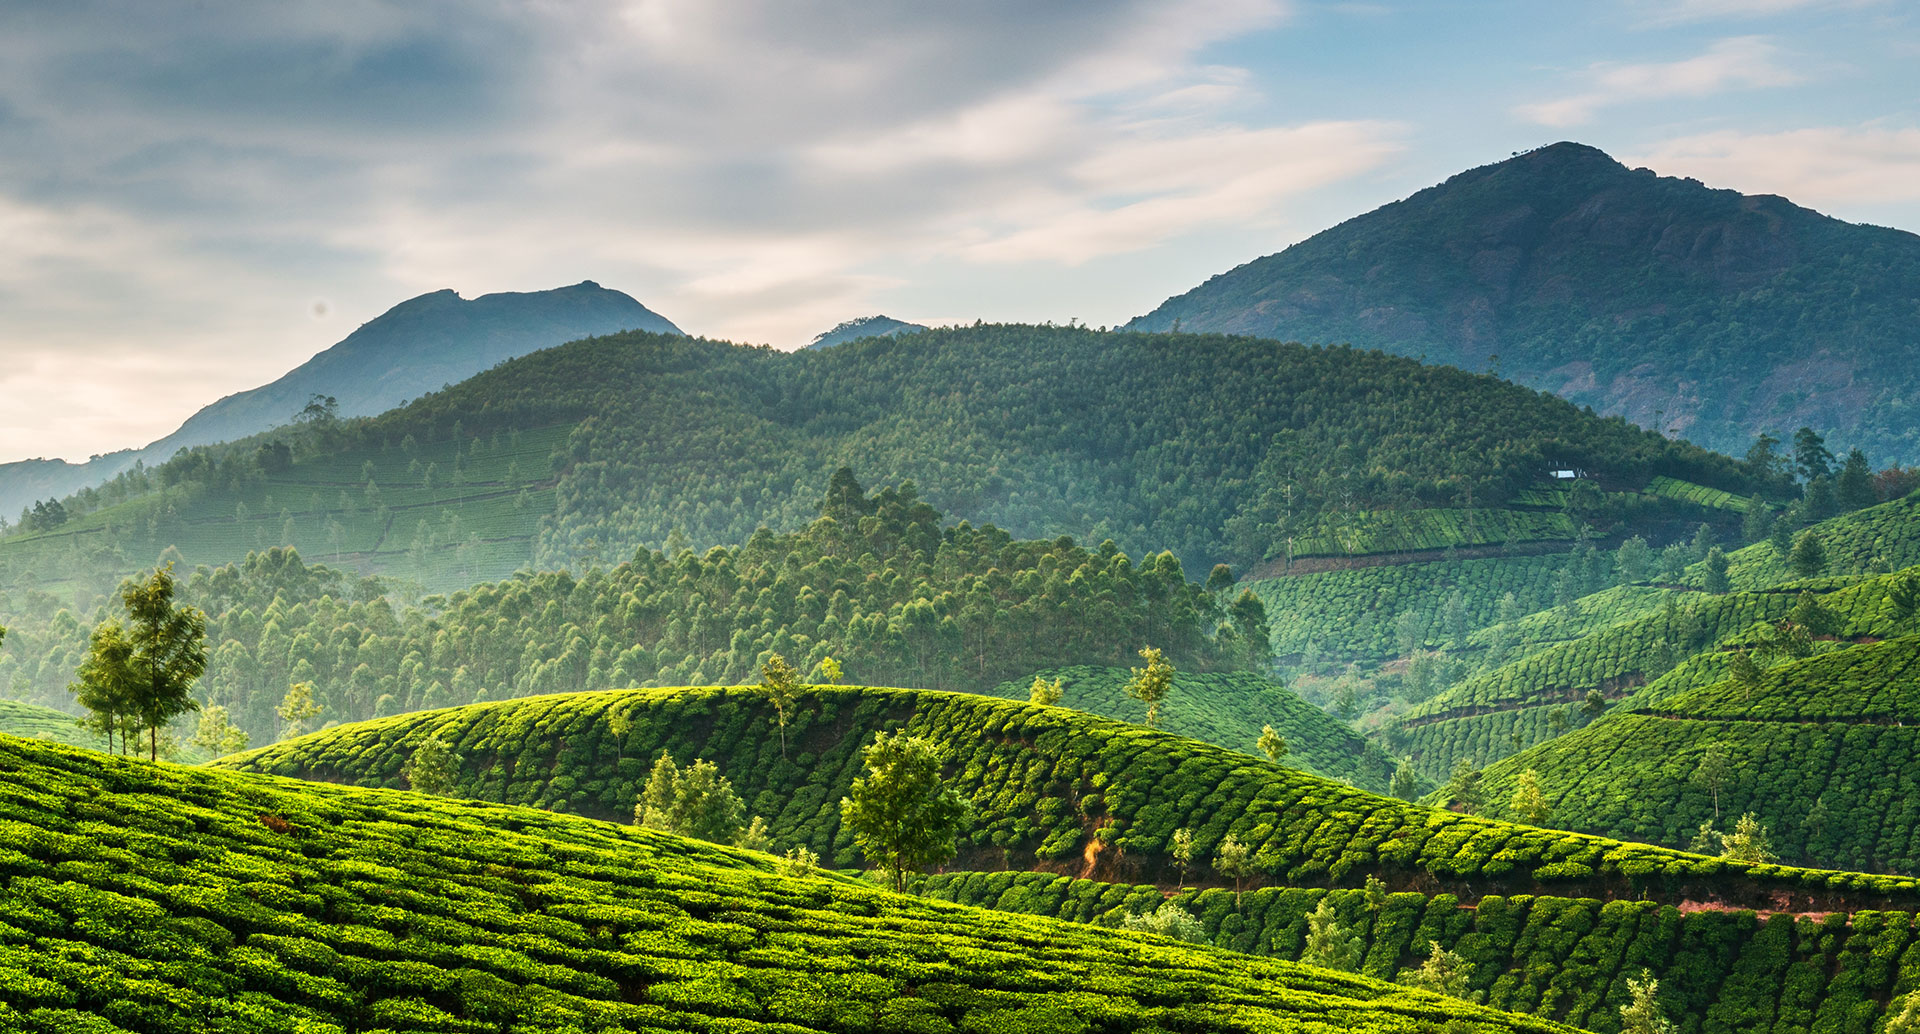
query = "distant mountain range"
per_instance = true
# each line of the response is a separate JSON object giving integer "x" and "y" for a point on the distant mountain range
{"x": 865, "y": 326}
{"x": 1707, "y": 312}
{"x": 418, "y": 346}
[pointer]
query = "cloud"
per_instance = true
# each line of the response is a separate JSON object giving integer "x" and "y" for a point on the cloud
{"x": 1742, "y": 62}
{"x": 1827, "y": 166}
{"x": 1677, "y": 11}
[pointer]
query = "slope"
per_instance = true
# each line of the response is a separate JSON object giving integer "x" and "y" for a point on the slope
{"x": 864, "y": 326}
{"x": 159, "y": 899}
{"x": 1052, "y": 789}
{"x": 418, "y": 346}
{"x": 1714, "y": 313}
{"x": 1227, "y": 709}
{"x": 1220, "y": 449}
{"x": 1821, "y": 751}
{"x": 29, "y": 722}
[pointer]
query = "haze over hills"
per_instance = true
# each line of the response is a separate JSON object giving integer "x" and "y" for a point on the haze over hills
{"x": 418, "y": 346}
{"x": 1705, "y": 311}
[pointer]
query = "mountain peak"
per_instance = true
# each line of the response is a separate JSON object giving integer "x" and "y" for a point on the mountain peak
{"x": 864, "y": 326}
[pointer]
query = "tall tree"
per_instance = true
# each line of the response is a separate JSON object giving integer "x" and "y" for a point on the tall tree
{"x": 1529, "y": 804}
{"x": 1331, "y": 944}
{"x": 1715, "y": 768}
{"x": 1853, "y": 488}
{"x": 216, "y": 735}
{"x": 904, "y": 815}
{"x": 1714, "y": 580}
{"x": 696, "y": 801}
{"x": 1272, "y": 744}
{"x": 1181, "y": 849}
{"x": 1149, "y": 685}
{"x": 1809, "y": 557}
{"x": 1811, "y": 460}
{"x": 163, "y": 650}
{"x": 1234, "y": 860}
{"x": 434, "y": 767}
{"x": 103, "y": 684}
{"x": 1642, "y": 1013}
{"x": 780, "y": 683}
{"x": 296, "y": 710}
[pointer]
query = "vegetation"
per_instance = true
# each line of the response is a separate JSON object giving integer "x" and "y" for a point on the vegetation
{"x": 1566, "y": 959}
{"x": 1227, "y": 709}
{"x": 903, "y": 815}
{"x": 251, "y": 903}
{"x": 1048, "y": 787}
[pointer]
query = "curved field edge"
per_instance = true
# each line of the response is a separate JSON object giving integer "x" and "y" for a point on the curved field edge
{"x": 1052, "y": 789}
{"x": 155, "y": 898}
{"x": 1567, "y": 959}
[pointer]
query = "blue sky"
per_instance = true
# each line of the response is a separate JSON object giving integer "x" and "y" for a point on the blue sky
{"x": 196, "y": 197}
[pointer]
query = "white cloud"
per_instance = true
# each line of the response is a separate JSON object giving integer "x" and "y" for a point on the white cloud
{"x": 1742, "y": 62}
{"x": 1675, "y": 11}
{"x": 1829, "y": 167}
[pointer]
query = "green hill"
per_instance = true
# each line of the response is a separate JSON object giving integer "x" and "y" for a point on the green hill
{"x": 1227, "y": 709}
{"x": 1821, "y": 751}
{"x": 878, "y": 582}
{"x": 157, "y": 899}
{"x": 1219, "y": 449}
{"x": 1566, "y": 959}
{"x": 44, "y": 723}
{"x": 1718, "y": 314}
{"x": 1052, "y": 789}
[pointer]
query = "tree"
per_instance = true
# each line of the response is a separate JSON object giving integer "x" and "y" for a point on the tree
{"x": 104, "y": 683}
{"x": 1272, "y": 744}
{"x": 161, "y": 652}
{"x": 1376, "y": 892}
{"x": 433, "y": 768}
{"x": 780, "y": 684}
{"x": 1331, "y": 944}
{"x": 1811, "y": 460}
{"x": 830, "y": 673}
{"x": 1809, "y": 557}
{"x": 1715, "y": 579}
{"x": 799, "y": 861}
{"x": 1758, "y": 521}
{"x": 1642, "y": 1015}
{"x": 1748, "y": 842}
{"x": 1044, "y": 692}
{"x": 1234, "y": 860}
{"x": 1744, "y": 673}
{"x": 1703, "y": 542}
{"x": 1634, "y": 561}
{"x": 1595, "y": 704}
{"x": 1903, "y": 595}
{"x": 1763, "y": 456}
{"x": 296, "y": 709}
{"x": 1181, "y": 848}
{"x": 1463, "y": 790}
{"x": 1780, "y": 534}
{"x": 1406, "y": 782}
{"x": 1150, "y": 684}
{"x": 1444, "y": 972}
{"x": 903, "y": 813}
{"x": 216, "y": 735}
{"x": 1853, "y": 488}
{"x": 696, "y": 801}
{"x": 1529, "y": 804}
{"x": 1706, "y": 840}
{"x": 1716, "y": 766}
{"x": 1559, "y": 720}
{"x": 1169, "y": 920}
{"x": 1907, "y": 1021}
{"x": 755, "y": 837}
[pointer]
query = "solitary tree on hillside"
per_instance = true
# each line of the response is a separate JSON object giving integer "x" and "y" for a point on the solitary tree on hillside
{"x": 1331, "y": 943}
{"x": 1044, "y": 692}
{"x": 1809, "y": 557}
{"x": 1811, "y": 459}
{"x": 296, "y": 710}
{"x": 433, "y": 768}
{"x": 1529, "y": 804}
{"x": 216, "y": 735}
{"x": 1748, "y": 842}
{"x": 830, "y": 672}
{"x": 1234, "y": 860}
{"x": 1444, "y": 972}
{"x": 696, "y": 801}
{"x": 1406, "y": 782}
{"x": 145, "y": 670}
{"x": 1463, "y": 790}
{"x": 780, "y": 683}
{"x": 1716, "y": 765}
{"x": 1715, "y": 578}
{"x": 1903, "y": 595}
{"x": 1643, "y": 1014}
{"x": 1272, "y": 744}
{"x": 104, "y": 683}
{"x": 1149, "y": 685}
{"x": 1744, "y": 673}
{"x": 1180, "y": 847}
{"x": 904, "y": 815}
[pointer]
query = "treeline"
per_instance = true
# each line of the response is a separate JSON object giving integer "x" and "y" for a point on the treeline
{"x": 1218, "y": 448}
{"x": 876, "y": 582}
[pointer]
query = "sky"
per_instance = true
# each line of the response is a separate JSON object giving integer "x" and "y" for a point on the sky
{"x": 196, "y": 197}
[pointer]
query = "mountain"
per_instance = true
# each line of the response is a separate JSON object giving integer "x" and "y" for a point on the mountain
{"x": 1224, "y": 450}
{"x": 1717, "y": 314}
{"x": 161, "y": 899}
{"x": 864, "y": 326}
{"x": 418, "y": 346}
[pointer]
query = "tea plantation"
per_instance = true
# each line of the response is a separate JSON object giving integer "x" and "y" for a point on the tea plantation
{"x": 1228, "y": 709}
{"x": 157, "y": 899}
{"x": 1051, "y": 788}
{"x": 1566, "y": 959}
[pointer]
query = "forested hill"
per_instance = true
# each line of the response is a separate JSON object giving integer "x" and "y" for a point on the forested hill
{"x": 1220, "y": 449}
{"x": 1612, "y": 286}
{"x": 418, "y": 346}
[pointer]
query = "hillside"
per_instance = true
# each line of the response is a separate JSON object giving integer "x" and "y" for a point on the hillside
{"x": 1052, "y": 789}
{"x": 879, "y": 583}
{"x": 416, "y": 347}
{"x": 29, "y": 722}
{"x": 1707, "y": 311}
{"x": 250, "y": 903}
{"x": 1220, "y": 449}
{"x": 1566, "y": 959}
{"x": 1821, "y": 751}
{"x": 1227, "y": 709}
{"x": 864, "y": 326}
